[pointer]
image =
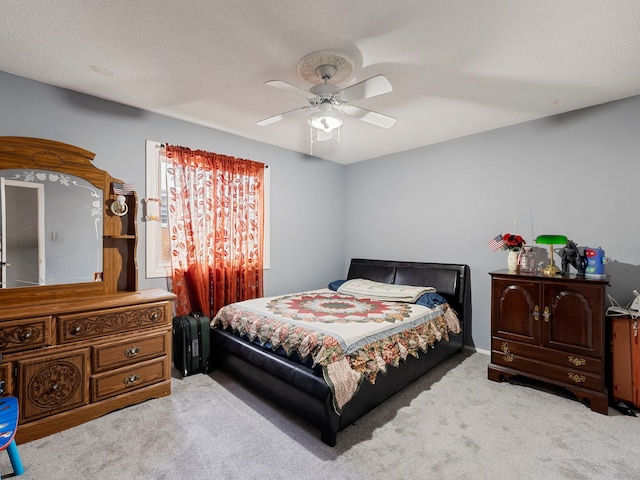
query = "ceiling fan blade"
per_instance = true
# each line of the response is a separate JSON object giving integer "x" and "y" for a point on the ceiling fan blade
{"x": 280, "y": 116}
{"x": 368, "y": 116}
{"x": 371, "y": 87}
{"x": 287, "y": 87}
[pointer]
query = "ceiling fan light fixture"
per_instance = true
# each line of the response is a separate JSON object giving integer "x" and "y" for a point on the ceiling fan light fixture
{"x": 325, "y": 121}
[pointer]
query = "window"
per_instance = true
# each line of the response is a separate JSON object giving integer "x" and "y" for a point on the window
{"x": 157, "y": 232}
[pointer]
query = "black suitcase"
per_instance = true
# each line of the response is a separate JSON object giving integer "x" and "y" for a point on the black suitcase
{"x": 192, "y": 344}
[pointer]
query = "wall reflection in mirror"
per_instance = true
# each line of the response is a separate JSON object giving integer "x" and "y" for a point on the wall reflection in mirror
{"x": 50, "y": 229}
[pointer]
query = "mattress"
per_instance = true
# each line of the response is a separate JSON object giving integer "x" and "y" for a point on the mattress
{"x": 349, "y": 338}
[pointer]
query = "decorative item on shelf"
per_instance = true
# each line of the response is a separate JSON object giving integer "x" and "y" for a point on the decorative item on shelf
{"x": 513, "y": 244}
{"x": 122, "y": 188}
{"x": 570, "y": 255}
{"x": 512, "y": 260}
{"x": 528, "y": 260}
{"x": 551, "y": 240}
{"x": 152, "y": 209}
{"x": 595, "y": 262}
{"x": 120, "y": 207}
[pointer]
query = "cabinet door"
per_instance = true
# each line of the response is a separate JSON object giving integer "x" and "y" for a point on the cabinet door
{"x": 53, "y": 384}
{"x": 572, "y": 319}
{"x": 515, "y": 310}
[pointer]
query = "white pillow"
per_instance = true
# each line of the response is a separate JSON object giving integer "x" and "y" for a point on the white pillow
{"x": 383, "y": 291}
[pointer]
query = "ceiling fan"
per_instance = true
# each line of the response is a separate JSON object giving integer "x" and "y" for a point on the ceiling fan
{"x": 326, "y": 99}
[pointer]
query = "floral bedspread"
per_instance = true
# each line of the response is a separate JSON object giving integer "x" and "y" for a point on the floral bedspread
{"x": 352, "y": 338}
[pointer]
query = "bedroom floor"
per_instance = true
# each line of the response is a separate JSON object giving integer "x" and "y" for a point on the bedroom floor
{"x": 452, "y": 423}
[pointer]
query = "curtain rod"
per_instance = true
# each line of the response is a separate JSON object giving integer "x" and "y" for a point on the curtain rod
{"x": 162, "y": 145}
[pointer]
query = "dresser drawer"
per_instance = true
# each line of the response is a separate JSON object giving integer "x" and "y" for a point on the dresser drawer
{"x": 546, "y": 355}
{"x": 128, "y": 379}
{"x": 114, "y": 320}
{"x": 548, "y": 372}
{"x": 126, "y": 352}
{"x": 53, "y": 384}
{"x": 25, "y": 334}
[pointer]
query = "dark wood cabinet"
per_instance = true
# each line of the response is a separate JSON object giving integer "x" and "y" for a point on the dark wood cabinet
{"x": 550, "y": 329}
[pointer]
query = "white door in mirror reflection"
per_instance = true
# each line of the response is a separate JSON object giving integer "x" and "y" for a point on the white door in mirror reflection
{"x": 21, "y": 233}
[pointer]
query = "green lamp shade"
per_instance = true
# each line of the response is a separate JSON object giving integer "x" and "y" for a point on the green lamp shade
{"x": 551, "y": 239}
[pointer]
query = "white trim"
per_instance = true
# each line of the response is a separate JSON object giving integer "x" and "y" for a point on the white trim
{"x": 154, "y": 266}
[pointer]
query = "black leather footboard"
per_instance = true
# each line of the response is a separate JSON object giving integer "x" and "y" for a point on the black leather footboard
{"x": 303, "y": 390}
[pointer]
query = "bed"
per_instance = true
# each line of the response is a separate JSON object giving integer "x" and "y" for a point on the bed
{"x": 284, "y": 373}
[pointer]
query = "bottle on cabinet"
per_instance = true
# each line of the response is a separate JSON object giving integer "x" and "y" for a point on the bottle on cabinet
{"x": 528, "y": 260}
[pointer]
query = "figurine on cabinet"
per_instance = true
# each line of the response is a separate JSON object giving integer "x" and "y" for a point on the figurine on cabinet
{"x": 571, "y": 256}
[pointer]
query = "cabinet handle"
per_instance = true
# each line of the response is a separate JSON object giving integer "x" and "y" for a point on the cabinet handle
{"x": 131, "y": 379}
{"x": 577, "y": 378}
{"x": 508, "y": 356}
{"x": 536, "y": 313}
{"x": 547, "y": 314}
{"x": 132, "y": 352}
{"x": 578, "y": 362}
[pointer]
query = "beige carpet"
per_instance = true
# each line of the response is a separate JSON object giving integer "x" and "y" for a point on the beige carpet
{"x": 451, "y": 424}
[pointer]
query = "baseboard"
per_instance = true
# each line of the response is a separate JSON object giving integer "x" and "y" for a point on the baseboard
{"x": 471, "y": 348}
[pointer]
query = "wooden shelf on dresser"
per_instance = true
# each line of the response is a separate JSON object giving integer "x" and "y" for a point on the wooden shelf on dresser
{"x": 75, "y": 359}
{"x": 550, "y": 329}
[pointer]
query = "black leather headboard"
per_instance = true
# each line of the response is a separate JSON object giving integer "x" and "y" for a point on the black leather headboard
{"x": 452, "y": 281}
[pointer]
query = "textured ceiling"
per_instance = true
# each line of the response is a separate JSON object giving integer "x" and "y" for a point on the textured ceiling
{"x": 457, "y": 67}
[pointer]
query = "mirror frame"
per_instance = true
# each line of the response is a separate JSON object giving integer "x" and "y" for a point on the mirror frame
{"x": 119, "y": 232}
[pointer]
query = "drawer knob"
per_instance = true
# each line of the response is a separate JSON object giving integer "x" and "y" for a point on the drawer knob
{"x": 132, "y": 352}
{"x": 26, "y": 336}
{"x": 55, "y": 387}
{"x": 577, "y": 378}
{"x": 154, "y": 316}
{"x": 131, "y": 379}
{"x": 75, "y": 330}
{"x": 578, "y": 362}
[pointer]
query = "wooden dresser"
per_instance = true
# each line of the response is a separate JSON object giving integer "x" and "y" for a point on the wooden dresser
{"x": 70, "y": 362}
{"x": 89, "y": 342}
{"x": 550, "y": 329}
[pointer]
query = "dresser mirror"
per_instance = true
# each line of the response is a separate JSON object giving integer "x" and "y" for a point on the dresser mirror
{"x": 57, "y": 232}
{"x": 50, "y": 228}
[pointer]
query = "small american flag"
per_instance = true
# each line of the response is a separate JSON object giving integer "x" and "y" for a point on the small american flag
{"x": 123, "y": 188}
{"x": 496, "y": 243}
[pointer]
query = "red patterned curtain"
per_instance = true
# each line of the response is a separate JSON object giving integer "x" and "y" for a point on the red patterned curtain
{"x": 216, "y": 211}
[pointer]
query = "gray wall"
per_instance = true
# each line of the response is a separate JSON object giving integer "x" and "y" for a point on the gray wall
{"x": 307, "y": 194}
{"x": 575, "y": 174}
